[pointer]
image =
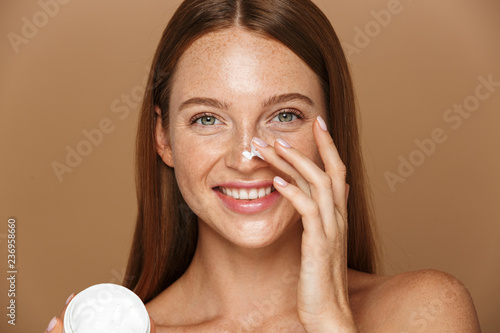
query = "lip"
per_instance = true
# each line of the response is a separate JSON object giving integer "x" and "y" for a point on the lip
{"x": 247, "y": 206}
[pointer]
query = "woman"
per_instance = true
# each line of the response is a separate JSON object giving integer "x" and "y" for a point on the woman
{"x": 271, "y": 244}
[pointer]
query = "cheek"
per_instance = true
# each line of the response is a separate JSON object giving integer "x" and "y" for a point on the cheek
{"x": 305, "y": 143}
{"x": 311, "y": 151}
{"x": 193, "y": 159}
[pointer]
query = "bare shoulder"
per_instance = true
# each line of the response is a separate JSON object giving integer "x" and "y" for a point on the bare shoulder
{"x": 435, "y": 301}
{"x": 418, "y": 301}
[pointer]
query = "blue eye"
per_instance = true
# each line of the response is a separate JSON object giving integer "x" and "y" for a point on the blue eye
{"x": 206, "y": 120}
{"x": 287, "y": 116}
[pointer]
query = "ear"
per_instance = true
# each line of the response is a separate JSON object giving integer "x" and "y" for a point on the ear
{"x": 162, "y": 141}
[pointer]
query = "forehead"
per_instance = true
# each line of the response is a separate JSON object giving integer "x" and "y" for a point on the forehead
{"x": 238, "y": 63}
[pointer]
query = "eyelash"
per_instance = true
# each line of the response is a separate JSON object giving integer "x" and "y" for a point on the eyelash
{"x": 292, "y": 111}
{"x": 198, "y": 116}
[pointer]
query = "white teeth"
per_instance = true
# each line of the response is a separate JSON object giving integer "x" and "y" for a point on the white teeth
{"x": 243, "y": 194}
{"x": 253, "y": 194}
{"x": 247, "y": 194}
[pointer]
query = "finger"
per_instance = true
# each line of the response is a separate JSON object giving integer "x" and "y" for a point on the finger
{"x": 66, "y": 306}
{"x": 270, "y": 156}
{"x": 305, "y": 205}
{"x": 55, "y": 326}
{"x": 334, "y": 167}
{"x": 319, "y": 182}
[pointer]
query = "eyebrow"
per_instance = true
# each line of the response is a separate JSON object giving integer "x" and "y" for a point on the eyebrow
{"x": 276, "y": 99}
{"x": 203, "y": 101}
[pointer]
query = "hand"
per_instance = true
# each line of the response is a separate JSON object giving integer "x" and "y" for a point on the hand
{"x": 56, "y": 324}
{"x": 320, "y": 197}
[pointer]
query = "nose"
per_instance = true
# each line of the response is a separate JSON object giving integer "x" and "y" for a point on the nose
{"x": 239, "y": 142}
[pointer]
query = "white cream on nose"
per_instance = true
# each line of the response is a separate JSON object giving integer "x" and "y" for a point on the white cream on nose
{"x": 250, "y": 154}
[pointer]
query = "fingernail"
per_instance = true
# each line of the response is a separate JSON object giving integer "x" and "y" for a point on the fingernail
{"x": 52, "y": 324}
{"x": 69, "y": 298}
{"x": 259, "y": 142}
{"x": 280, "y": 181}
{"x": 322, "y": 124}
{"x": 283, "y": 143}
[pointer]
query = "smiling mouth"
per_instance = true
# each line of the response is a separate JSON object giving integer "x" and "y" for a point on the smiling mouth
{"x": 246, "y": 193}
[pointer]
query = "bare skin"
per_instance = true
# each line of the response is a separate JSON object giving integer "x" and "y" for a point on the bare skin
{"x": 282, "y": 269}
{"x": 419, "y": 301}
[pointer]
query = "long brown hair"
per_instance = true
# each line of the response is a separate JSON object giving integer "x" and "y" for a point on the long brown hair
{"x": 166, "y": 231}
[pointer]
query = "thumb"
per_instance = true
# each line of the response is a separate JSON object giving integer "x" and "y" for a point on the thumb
{"x": 55, "y": 326}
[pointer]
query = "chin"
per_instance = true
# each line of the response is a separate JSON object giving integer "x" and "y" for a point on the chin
{"x": 259, "y": 234}
{"x": 251, "y": 231}
{"x": 255, "y": 239}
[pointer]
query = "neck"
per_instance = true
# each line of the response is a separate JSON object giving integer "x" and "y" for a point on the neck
{"x": 249, "y": 284}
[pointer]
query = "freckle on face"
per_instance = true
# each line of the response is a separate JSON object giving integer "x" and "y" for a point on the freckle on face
{"x": 242, "y": 70}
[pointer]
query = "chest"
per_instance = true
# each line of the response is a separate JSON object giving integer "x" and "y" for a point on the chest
{"x": 278, "y": 324}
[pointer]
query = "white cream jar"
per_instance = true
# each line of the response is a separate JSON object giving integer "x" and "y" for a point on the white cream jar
{"x": 106, "y": 308}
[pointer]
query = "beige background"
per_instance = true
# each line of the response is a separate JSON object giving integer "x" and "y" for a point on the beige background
{"x": 79, "y": 67}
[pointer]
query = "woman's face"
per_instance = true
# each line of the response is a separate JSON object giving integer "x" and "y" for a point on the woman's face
{"x": 229, "y": 87}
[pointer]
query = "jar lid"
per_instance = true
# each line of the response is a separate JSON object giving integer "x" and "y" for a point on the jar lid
{"x": 106, "y": 308}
